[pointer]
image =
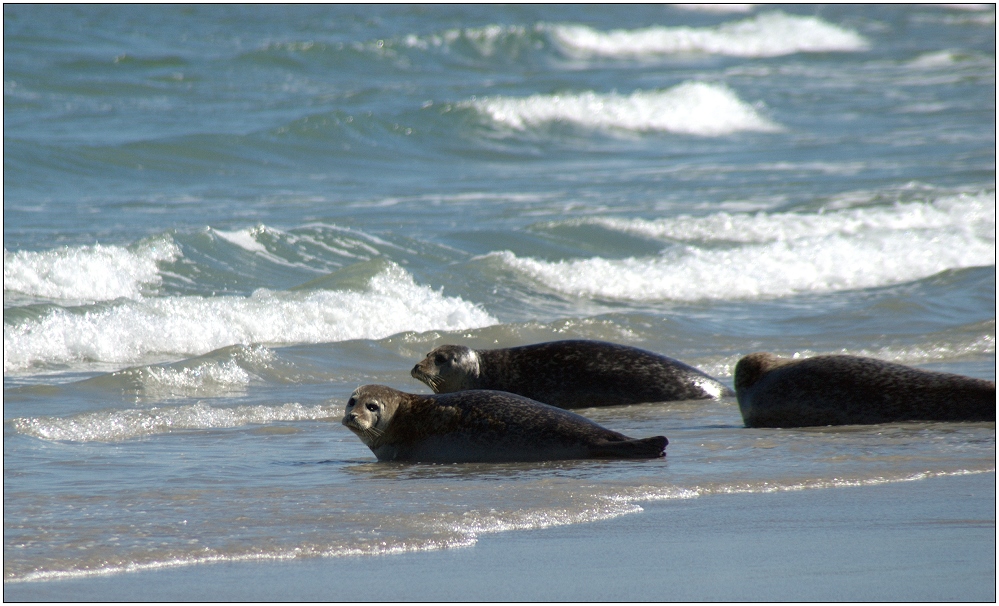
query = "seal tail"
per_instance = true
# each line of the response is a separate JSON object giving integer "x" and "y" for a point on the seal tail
{"x": 648, "y": 448}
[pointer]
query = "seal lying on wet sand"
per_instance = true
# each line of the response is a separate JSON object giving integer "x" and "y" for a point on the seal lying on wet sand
{"x": 481, "y": 426}
{"x": 568, "y": 374}
{"x": 847, "y": 390}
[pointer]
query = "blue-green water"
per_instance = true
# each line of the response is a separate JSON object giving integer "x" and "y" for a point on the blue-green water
{"x": 219, "y": 220}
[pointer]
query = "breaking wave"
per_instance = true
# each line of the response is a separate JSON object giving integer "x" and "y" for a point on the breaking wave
{"x": 131, "y": 331}
{"x": 745, "y": 256}
{"x": 767, "y": 35}
{"x": 91, "y": 273}
{"x": 694, "y": 108}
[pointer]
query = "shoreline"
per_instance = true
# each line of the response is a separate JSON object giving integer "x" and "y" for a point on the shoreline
{"x": 926, "y": 540}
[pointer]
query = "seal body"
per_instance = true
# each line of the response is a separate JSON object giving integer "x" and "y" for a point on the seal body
{"x": 481, "y": 426}
{"x": 568, "y": 374}
{"x": 847, "y": 390}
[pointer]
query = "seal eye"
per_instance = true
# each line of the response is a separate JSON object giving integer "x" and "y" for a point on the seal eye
{"x": 351, "y": 402}
{"x": 372, "y": 407}
{"x": 439, "y": 359}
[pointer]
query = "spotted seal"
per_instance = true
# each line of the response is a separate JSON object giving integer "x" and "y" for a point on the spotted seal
{"x": 481, "y": 426}
{"x": 848, "y": 390}
{"x": 568, "y": 374}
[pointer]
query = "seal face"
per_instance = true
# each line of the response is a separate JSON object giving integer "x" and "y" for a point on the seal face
{"x": 451, "y": 368}
{"x": 568, "y": 374}
{"x": 848, "y": 390}
{"x": 481, "y": 426}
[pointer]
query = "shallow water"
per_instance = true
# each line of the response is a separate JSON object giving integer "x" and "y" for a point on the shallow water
{"x": 219, "y": 220}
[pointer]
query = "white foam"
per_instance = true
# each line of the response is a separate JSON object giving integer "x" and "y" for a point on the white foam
{"x": 720, "y": 7}
{"x": 947, "y": 59}
{"x": 767, "y": 35}
{"x": 224, "y": 374}
{"x": 206, "y": 378}
{"x": 250, "y": 554}
{"x": 132, "y": 331}
{"x": 767, "y": 487}
{"x": 967, "y": 7}
{"x": 243, "y": 238}
{"x": 247, "y": 239}
{"x": 933, "y": 351}
{"x": 199, "y": 377}
{"x": 117, "y": 425}
{"x": 973, "y": 214}
{"x": 653, "y": 493}
{"x": 92, "y": 273}
{"x": 474, "y": 523}
{"x": 695, "y": 108}
{"x": 742, "y": 256}
{"x": 485, "y": 39}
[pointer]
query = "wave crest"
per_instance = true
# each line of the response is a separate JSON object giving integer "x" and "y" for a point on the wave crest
{"x": 92, "y": 273}
{"x": 132, "y": 331}
{"x": 727, "y": 256}
{"x": 118, "y": 425}
{"x": 694, "y": 108}
{"x": 969, "y": 214}
{"x": 767, "y": 35}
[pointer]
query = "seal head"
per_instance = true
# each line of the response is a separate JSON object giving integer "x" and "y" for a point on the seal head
{"x": 449, "y": 368}
{"x": 754, "y": 367}
{"x": 483, "y": 426}
{"x": 369, "y": 412}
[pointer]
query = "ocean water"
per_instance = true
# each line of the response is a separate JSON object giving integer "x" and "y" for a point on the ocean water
{"x": 220, "y": 220}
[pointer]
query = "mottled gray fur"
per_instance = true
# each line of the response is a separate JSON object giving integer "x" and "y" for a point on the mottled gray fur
{"x": 846, "y": 390}
{"x": 481, "y": 426}
{"x": 568, "y": 374}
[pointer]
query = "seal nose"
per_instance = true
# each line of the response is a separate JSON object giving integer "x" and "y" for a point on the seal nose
{"x": 415, "y": 372}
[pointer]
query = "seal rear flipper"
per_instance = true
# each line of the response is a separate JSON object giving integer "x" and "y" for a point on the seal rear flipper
{"x": 647, "y": 448}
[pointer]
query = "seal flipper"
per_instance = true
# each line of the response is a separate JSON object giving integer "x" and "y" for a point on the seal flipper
{"x": 647, "y": 448}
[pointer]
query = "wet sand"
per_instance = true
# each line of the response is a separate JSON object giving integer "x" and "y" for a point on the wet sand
{"x": 926, "y": 540}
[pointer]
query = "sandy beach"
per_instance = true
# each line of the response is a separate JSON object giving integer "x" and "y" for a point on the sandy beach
{"x": 926, "y": 540}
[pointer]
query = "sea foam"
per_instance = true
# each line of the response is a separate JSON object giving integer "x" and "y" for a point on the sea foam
{"x": 222, "y": 372}
{"x": 695, "y": 108}
{"x": 487, "y": 40}
{"x": 973, "y": 214}
{"x": 727, "y": 256}
{"x": 132, "y": 331}
{"x": 767, "y": 35}
{"x": 721, "y": 7}
{"x": 92, "y": 273}
{"x": 117, "y": 425}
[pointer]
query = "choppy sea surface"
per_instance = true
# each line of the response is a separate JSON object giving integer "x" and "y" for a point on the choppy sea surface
{"x": 220, "y": 220}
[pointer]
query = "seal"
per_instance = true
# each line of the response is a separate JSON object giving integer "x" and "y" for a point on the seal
{"x": 851, "y": 390}
{"x": 481, "y": 426}
{"x": 568, "y": 374}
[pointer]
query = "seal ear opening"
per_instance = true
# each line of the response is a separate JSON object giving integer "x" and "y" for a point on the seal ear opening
{"x": 647, "y": 448}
